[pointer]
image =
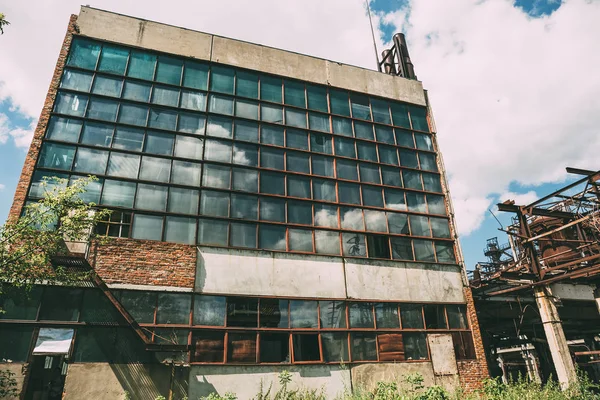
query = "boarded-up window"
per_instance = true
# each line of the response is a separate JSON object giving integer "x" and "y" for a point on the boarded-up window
{"x": 241, "y": 347}
{"x": 391, "y": 347}
{"x": 209, "y": 346}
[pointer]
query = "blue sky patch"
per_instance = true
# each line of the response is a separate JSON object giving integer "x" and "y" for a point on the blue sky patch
{"x": 538, "y": 8}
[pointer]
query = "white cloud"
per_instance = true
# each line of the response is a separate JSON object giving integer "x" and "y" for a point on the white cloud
{"x": 515, "y": 98}
{"x": 21, "y": 137}
{"x": 521, "y": 199}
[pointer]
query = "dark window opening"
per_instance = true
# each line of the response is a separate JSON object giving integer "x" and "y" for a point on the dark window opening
{"x": 412, "y": 316}
{"x": 242, "y": 312}
{"x": 435, "y": 317}
{"x": 274, "y": 348}
{"x": 306, "y": 347}
{"x": 415, "y": 346}
{"x": 378, "y": 246}
{"x": 463, "y": 345}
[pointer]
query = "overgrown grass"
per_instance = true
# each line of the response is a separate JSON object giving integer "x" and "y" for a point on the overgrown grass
{"x": 411, "y": 387}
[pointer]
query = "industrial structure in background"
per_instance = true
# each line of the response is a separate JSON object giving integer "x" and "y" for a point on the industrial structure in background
{"x": 271, "y": 211}
{"x": 536, "y": 296}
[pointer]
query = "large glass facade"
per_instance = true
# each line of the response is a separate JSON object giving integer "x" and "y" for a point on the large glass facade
{"x": 200, "y": 153}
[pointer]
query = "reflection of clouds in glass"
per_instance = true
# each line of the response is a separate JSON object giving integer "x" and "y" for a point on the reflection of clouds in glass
{"x": 218, "y": 129}
{"x": 218, "y": 151}
{"x": 216, "y": 177}
{"x": 327, "y": 242}
{"x": 352, "y": 219}
{"x": 272, "y": 211}
{"x": 326, "y": 217}
{"x": 240, "y": 157}
{"x": 280, "y": 245}
{"x": 192, "y": 100}
{"x": 375, "y": 221}
{"x": 396, "y": 206}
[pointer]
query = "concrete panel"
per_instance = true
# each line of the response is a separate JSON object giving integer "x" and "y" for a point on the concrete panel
{"x": 268, "y": 274}
{"x": 137, "y": 32}
{"x": 442, "y": 354}
{"x": 245, "y": 381}
{"x": 366, "y": 376}
{"x": 111, "y": 381}
{"x": 268, "y": 59}
{"x": 19, "y": 377}
{"x": 567, "y": 291}
{"x": 449, "y": 382}
{"x": 387, "y": 280}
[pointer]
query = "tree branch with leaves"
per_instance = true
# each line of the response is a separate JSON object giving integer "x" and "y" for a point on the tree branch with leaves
{"x": 3, "y": 23}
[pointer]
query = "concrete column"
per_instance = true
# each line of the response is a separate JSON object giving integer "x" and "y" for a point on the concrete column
{"x": 557, "y": 342}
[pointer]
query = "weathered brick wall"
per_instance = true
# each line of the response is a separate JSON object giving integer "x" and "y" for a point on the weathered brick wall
{"x": 472, "y": 372}
{"x": 145, "y": 262}
{"x": 36, "y": 143}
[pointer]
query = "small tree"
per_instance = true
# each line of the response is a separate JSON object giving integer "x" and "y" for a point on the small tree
{"x": 3, "y": 23}
{"x": 28, "y": 243}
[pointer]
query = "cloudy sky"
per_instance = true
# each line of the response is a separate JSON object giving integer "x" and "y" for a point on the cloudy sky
{"x": 514, "y": 85}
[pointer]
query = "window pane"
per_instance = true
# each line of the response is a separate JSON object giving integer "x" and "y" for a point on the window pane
{"x": 139, "y": 304}
{"x": 209, "y": 310}
{"x": 423, "y": 250}
{"x": 220, "y": 104}
{"x": 71, "y": 104}
{"x": 183, "y": 201}
{"x": 369, "y": 173}
{"x": 247, "y": 84}
{"x": 378, "y": 246}
{"x": 242, "y": 312}
{"x": 136, "y": 91}
{"x": 401, "y": 249}
{"x": 300, "y": 240}
{"x": 244, "y": 206}
{"x": 333, "y": 314}
{"x": 398, "y": 223}
{"x": 247, "y": 131}
{"x": 272, "y": 182}
{"x": 274, "y": 347}
{"x": 440, "y": 227}
{"x": 345, "y": 147}
{"x": 436, "y": 205}
{"x": 271, "y": 135}
{"x": 323, "y": 190}
{"x": 270, "y": 113}
{"x": 270, "y": 89}
{"x": 84, "y": 53}
{"x": 185, "y": 173}
{"x": 408, "y": 159}
{"x": 306, "y": 347}
{"x": 400, "y": 115}
{"x": 57, "y": 156}
{"x": 246, "y": 109}
{"x": 342, "y": 126}
{"x": 327, "y": 242}
{"x": 108, "y": 86}
{"x": 412, "y": 179}
{"x": 169, "y": 70}
{"x": 361, "y": 315}
{"x": 319, "y": 122}
{"x": 219, "y": 127}
{"x": 388, "y": 155}
{"x": 326, "y": 215}
{"x": 243, "y": 235}
{"x": 416, "y": 202}
{"x": 423, "y": 141}
{"x": 298, "y": 162}
{"x": 297, "y": 139}
{"x": 335, "y": 347}
{"x": 91, "y": 161}
{"x": 60, "y": 304}
{"x": 155, "y": 169}
{"x": 221, "y": 80}
{"x": 214, "y": 203}
{"x": 97, "y": 134}
{"x": 216, "y": 176}
{"x": 193, "y": 100}
{"x": 317, "y": 97}
{"x": 384, "y": 134}
{"x": 272, "y": 209}
{"x": 102, "y": 109}
{"x": 180, "y": 230}
{"x": 159, "y": 143}
{"x": 298, "y": 186}
{"x": 212, "y": 232}
{"x": 339, "y": 102}
{"x": 427, "y": 162}
{"x": 162, "y": 119}
{"x": 118, "y": 193}
{"x": 431, "y": 182}
{"x": 320, "y": 143}
{"x": 412, "y": 316}
{"x": 419, "y": 226}
{"x": 20, "y": 304}
{"x": 364, "y": 346}
{"x": 209, "y": 346}
{"x": 217, "y": 151}
{"x": 245, "y": 180}
{"x": 404, "y": 138}
{"x": 322, "y": 166}
{"x": 367, "y": 151}
{"x": 445, "y": 252}
{"x": 457, "y": 316}
{"x": 381, "y": 111}
{"x": 360, "y": 106}
{"x": 353, "y": 244}
{"x": 37, "y": 190}
{"x": 294, "y": 93}
{"x": 173, "y": 308}
{"x": 299, "y": 212}
{"x": 391, "y": 176}
{"x": 363, "y": 130}
{"x": 245, "y": 154}
{"x": 75, "y": 80}
{"x": 188, "y": 147}
{"x": 165, "y": 95}
{"x": 418, "y": 117}
{"x": 141, "y": 65}
{"x": 295, "y": 118}
{"x": 303, "y": 314}
{"x": 195, "y": 75}
{"x": 347, "y": 170}
{"x": 151, "y": 197}
{"x": 435, "y": 317}
{"x": 133, "y": 114}
{"x": 348, "y": 193}
{"x": 272, "y": 237}
{"x": 375, "y": 221}
{"x": 147, "y": 227}
{"x": 352, "y": 218}
{"x": 387, "y": 315}
{"x": 415, "y": 346}
{"x": 64, "y": 129}
{"x": 394, "y": 199}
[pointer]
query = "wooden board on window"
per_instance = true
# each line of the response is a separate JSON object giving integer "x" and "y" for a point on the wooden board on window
{"x": 391, "y": 347}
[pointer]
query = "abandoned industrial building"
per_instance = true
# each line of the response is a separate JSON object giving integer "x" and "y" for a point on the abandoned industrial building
{"x": 271, "y": 211}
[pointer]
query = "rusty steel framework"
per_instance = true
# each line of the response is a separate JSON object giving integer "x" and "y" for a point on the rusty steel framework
{"x": 555, "y": 238}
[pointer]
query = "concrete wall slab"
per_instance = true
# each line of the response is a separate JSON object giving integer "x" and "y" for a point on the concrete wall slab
{"x": 442, "y": 354}
{"x": 567, "y": 291}
{"x": 366, "y": 376}
{"x": 387, "y": 280}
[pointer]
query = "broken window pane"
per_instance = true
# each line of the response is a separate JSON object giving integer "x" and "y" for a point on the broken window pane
{"x": 435, "y": 317}
{"x": 306, "y": 347}
{"x": 274, "y": 347}
{"x": 378, "y": 246}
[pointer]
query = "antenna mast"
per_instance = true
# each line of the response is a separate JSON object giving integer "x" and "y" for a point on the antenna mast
{"x": 373, "y": 35}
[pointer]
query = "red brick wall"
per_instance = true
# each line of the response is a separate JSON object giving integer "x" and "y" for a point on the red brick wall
{"x": 472, "y": 372}
{"x": 34, "y": 148}
{"x": 145, "y": 262}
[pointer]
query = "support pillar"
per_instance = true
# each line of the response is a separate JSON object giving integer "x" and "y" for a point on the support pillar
{"x": 557, "y": 342}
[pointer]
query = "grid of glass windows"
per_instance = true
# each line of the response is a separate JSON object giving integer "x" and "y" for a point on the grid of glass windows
{"x": 213, "y": 155}
{"x": 283, "y": 330}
